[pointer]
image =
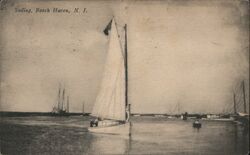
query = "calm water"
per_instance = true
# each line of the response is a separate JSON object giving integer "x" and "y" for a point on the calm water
{"x": 68, "y": 135}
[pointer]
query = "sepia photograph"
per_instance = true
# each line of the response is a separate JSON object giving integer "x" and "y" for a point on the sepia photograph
{"x": 124, "y": 77}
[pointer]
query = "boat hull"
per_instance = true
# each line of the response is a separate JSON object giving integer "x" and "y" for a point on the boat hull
{"x": 60, "y": 114}
{"x": 120, "y": 129}
{"x": 197, "y": 124}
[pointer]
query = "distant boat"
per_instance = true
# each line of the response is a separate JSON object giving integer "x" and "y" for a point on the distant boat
{"x": 60, "y": 109}
{"x": 197, "y": 124}
{"x": 176, "y": 112}
{"x": 184, "y": 116}
{"x": 239, "y": 116}
{"x": 83, "y": 110}
{"x": 111, "y": 109}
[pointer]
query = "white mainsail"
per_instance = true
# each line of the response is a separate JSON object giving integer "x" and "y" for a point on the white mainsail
{"x": 110, "y": 102}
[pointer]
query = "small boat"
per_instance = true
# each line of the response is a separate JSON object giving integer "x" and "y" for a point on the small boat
{"x": 197, "y": 124}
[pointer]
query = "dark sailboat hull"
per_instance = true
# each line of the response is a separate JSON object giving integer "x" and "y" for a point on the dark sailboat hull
{"x": 56, "y": 114}
{"x": 197, "y": 125}
{"x": 60, "y": 113}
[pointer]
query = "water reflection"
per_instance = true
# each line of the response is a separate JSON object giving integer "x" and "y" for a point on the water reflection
{"x": 108, "y": 145}
{"x": 111, "y": 144}
{"x": 176, "y": 137}
{"x": 241, "y": 138}
{"x": 148, "y": 136}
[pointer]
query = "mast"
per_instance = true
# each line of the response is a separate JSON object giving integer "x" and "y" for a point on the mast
{"x": 68, "y": 104}
{"x": 63, "y": 98}
{"x": 234, "y": 105}
{"x": 59, "y": 96}
{"x": 178, "y": 107}
{"x": 83, "y": 108}
{"x": 126, "y": 72}
{"x": 244, "y": 97}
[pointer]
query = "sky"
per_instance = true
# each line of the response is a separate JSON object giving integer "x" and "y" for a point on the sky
{"x": 193, "y": 54}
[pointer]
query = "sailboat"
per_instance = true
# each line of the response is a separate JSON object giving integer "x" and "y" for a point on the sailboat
{"x": 83, "y": 110}
{"x": 111, "y": 107}
{"x": 60, "y": 109}
{"x": 241, "y": 117}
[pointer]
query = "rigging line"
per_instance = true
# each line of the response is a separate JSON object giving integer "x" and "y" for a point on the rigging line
{"x": 240, "y": 107}
{"x": 240, "y": 102}
{"x": 239, "y": 97}
{"x": 238, "y": 87}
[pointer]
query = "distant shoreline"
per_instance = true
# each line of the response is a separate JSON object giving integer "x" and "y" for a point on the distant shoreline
{"x": 23, "y": 114}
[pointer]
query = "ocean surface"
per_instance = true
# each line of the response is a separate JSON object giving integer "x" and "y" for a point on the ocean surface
{"x": 149, "y": 135}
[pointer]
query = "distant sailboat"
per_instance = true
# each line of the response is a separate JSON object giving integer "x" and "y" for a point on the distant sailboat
{"x": 83, "y": 110}
{"x": 111, "y": 106}
{"x": 60, "y": 109}
{"x": 241, "y": 116}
